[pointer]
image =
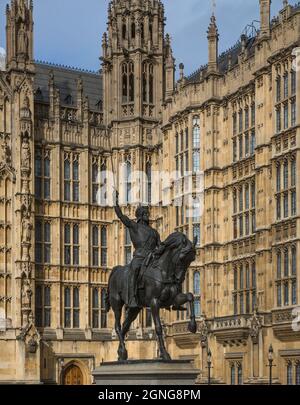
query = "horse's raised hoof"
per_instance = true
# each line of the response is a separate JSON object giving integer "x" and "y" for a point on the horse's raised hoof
{"x": 192, "y": 327}
{"x": 122, "y": 355}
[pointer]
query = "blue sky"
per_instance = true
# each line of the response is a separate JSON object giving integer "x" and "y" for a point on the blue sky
{"x": 69, "y": 31}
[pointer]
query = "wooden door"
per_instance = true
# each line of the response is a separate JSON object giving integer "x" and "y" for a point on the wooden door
{"x": 73, "y": 376}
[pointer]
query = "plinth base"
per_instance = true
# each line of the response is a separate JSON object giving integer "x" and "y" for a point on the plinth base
{"x": 146, "y": 372}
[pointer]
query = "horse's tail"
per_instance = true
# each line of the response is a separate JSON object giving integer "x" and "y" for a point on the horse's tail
{"x": 107, "y": 292}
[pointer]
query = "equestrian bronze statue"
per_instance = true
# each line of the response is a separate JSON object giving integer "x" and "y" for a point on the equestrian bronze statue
{"x": 152, "y": 280}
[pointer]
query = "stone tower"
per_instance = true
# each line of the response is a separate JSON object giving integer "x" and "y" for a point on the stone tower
{"x": 213, "y": 41}
{"x": 19, "y": 35}
{"x": 265, "y": 12}
{"x": 17, "y": 276}
{"x": 136, "y": 59}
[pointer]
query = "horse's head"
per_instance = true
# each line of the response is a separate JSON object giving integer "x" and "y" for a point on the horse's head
{"x": 183, "y": 253}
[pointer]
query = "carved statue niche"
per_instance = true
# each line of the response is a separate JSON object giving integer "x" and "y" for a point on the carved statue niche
{"x": 26, "y": 294}
{"x": 26, "y": 229}
{"x": 25, "y": 153}
{"x": 23, "y": 41}
{"x": 204, "y": 331}
{"x": 22, "y": 12}
{"x": 25, "y": 112}
{"x": 255, "y": 325}
{"x": 26, "y": 202}
{"x": 5, "y": 154}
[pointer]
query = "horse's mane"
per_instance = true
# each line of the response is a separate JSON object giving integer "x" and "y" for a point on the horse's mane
{"x": 174, "y": 240}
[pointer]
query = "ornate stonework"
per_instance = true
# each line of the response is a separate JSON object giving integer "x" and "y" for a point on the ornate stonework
{"x": 234, "y": 122}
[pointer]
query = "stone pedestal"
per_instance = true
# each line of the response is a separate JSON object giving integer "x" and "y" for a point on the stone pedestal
{"x": 146, "y": 372}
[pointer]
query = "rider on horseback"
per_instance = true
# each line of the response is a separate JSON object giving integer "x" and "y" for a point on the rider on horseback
{"x": 145, "y": 240}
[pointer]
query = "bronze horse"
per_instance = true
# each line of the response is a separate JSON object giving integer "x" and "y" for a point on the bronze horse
{"x": 159, "y": 287}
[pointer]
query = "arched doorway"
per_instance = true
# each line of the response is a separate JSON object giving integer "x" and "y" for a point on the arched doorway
{"x": 73, "y": 375}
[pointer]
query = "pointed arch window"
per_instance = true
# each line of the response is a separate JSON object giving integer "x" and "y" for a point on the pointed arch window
{"x": 298, "y": 373}
{"x": 142, "y": 31}
{"x": 232, "y": 374}
{"x": 95, "y": 182}
{"x": 197, "y": 283}
{"x": 95, "y": 246}
{"x": 131, "y": 82}
{"x": 128, "y": 181}
{"x": 42, "y": 242}
{"x": 43, "y": 306}
{"x": 289, "y": 370}
{"x": 240, "y": 374}
{"x": 42, "y": 174}
{"x": 103, "y": 184}
{"x": 197, "y": 293}
{"x": 71, "y": 245}
{"x": 196, "y": 143}
{"x": 133, "y": 30}
{"x": 71, "y": 307}
{"x": 124, "y": 82}
{"x": 196, "y": 132}
{"x": 71, "y": 178}
{"x": 148, "y": 83}
{"x": 151, "y": 32}
{"x": 99, "y": 316}
{"x": 103, "y": 246}
{"x": 127, "y": 247}
{"x": 124, "y": 31}
{"x": 127, "y": 82}
{"x": 149, "y": 181}
{"x": 95, "y": 309}
{"x": 234, "y": 201}
{"x": 294, "y": 261}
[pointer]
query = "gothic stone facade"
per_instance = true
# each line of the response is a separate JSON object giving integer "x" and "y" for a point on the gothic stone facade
{"x": 235, "y": 121}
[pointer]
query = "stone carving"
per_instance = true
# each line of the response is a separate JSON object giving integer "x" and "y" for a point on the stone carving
{"x": 22, "y": 40}
{"x": 22, "y": 11}
{"x": 25, "y": 154}
{"x": 5, "y": 158}
{"x": 25, "y": 112}
{"x": 30, "y": 336}
{"x": 26, "y": 201}
{"x": 5, "y": 154}
{"x": 203, "y": 330}
{"x": 255, "y": 324}
{"x": 26, "y": 229}
{"x": 26, "y": 294}
{"x": 25, "y": 270}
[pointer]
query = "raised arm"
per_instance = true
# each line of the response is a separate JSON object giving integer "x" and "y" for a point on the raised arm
{"x": 123, "y": 218}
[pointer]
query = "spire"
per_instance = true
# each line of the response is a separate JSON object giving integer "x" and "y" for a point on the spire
{"x": 265, "y": 14}
{"x": 213, "y": 42}
{"x": 136, "y": 24}
{"x": 170, "y": 67}
{"x": 19, "y": 34}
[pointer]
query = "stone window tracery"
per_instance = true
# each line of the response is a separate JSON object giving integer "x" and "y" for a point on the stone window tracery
{"x": 128, "y": 82}
{"x": 99, "y": 316}
{"x": 71, "y": 307}
{"x": 71, "y": 177}
{"x": 42, "y": 241}
{"x": 71, "y": 244}
{"x": 244, "y": 287}
{"x": 42, "y": 174}
{"x": 286, "y": 276}
{"x": 286, "y": 193}
{"x": 43, "y": 306}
